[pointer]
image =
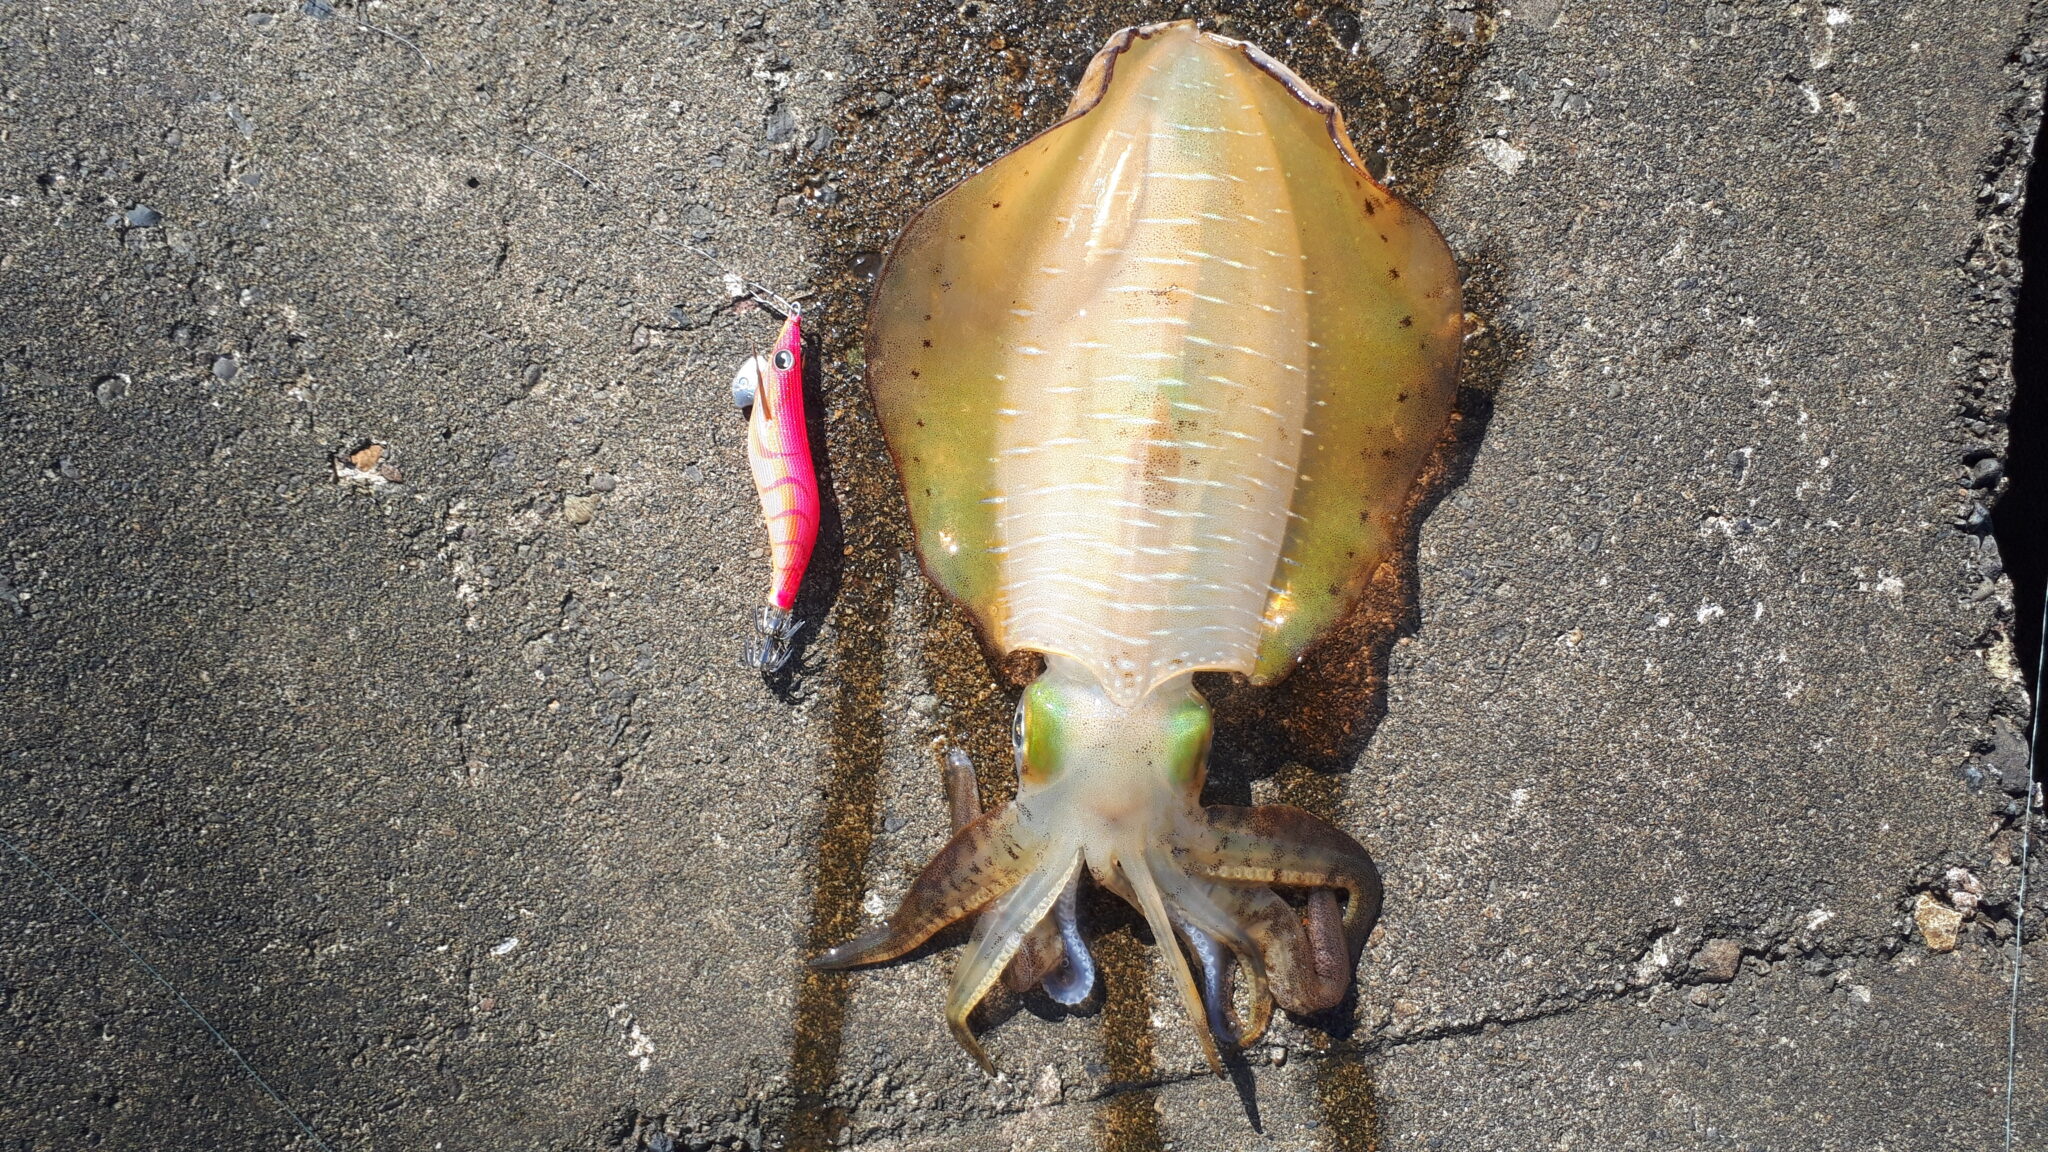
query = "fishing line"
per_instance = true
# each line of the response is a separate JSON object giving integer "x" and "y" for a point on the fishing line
{"x": 322, "y": 8}
{"x": 2019, "y": 920}
{"x": 135, "y": 956}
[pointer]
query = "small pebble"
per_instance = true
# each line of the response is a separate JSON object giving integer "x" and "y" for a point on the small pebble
{"x": 693, "y": 474}
{"x": 603, "y": 482}
{"x": 660, "y": 1142}
{"x": 1717, "y": 961}
{"x": 1940, "y": 925}
{"x": 1503, "y": 155}
{"x": 579, "y": 509}
{"x": 226, "y": 368}
{"x": 924, "y": 705}
{"x": 142, "y": 216}
{"x": 1989, "y": 560}
{"x": 1344, "y": 26}
{"x": 1987, "y": 472}
{"x": 1046, "y": 1090}
{"x": 110, "y": 390}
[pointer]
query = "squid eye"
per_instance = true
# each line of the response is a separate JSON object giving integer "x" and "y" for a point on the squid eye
{"x": 1188, "y": 737}
{"x": 784, "y": 361}
{"x": 1017, "y": 735}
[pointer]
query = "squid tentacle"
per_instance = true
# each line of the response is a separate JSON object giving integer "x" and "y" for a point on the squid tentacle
{"x": 1203, "y": 908}
{"x": 1072, "y": 981}
{"x": 997, "y": 938}
{"x": 1309, "y": 967}
{"x": 1045, "y": 946}
{"x": 1217, "y": 968}
{"x": 1280, "y": 844}
{"x": 980, "y": 863}
{"x": 1138, "y": 872}
{"x": 1039, "y": 955}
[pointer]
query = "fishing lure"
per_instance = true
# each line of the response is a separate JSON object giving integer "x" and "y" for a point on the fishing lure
{"x": 779, "y": 452}
{"x": 1158, "y": 385}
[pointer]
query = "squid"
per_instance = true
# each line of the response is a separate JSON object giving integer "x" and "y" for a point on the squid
{"x": 1159, "y": 385}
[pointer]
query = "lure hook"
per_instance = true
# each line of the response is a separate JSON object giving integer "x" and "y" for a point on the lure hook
{"x": 769, "y": 651}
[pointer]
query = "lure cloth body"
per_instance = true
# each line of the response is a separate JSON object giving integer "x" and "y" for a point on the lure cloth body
{"x": 1158, "y": 385}
{"x": 779, "y": 455}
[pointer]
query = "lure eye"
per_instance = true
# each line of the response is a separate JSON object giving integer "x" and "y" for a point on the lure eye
{"x": 784, "y": 361}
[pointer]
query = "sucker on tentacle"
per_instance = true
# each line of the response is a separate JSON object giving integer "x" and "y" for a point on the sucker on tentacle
{"x": 1158, "y": 385}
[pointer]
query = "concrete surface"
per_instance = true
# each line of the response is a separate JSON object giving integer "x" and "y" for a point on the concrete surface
{"x": 460, "y": 821}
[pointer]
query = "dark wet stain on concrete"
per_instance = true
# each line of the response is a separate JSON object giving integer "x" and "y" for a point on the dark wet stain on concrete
{"x": 977, "y": 703}
{"x": 845, "y": 835}
{"x": 1127, "y": 1121}
{"x": 1344, "y": 1098}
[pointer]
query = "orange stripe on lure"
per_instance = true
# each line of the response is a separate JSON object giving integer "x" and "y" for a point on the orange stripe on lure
{"x": 779, "y": 451}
